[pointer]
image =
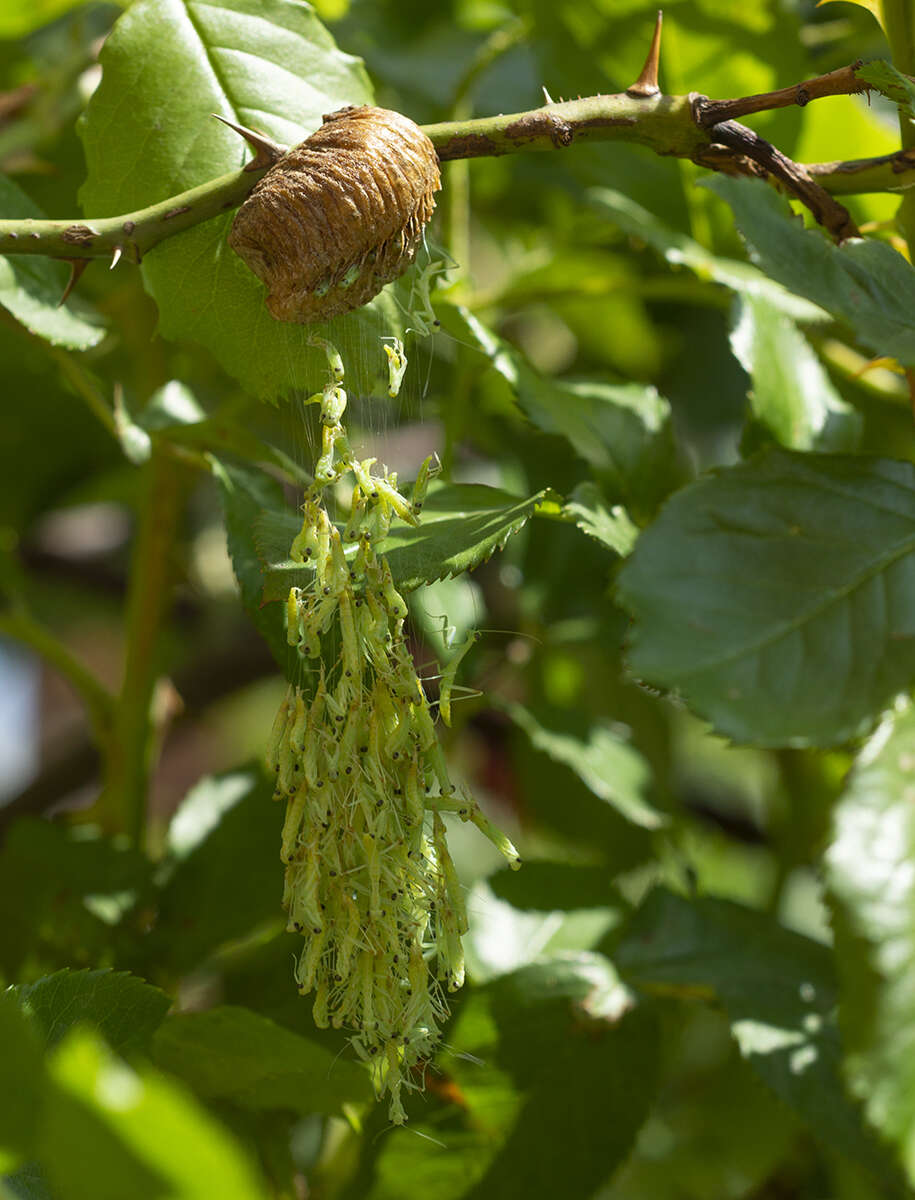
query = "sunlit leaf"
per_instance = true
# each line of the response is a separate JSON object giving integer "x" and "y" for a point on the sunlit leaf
{"x": 610, "y": 525}
{"x": 792, "y": 399}
{"x": 504, "y": 938}
{"x": 603, "y": 760}
{"x": 870, "y": 877}
{"x": 270, "y": 65}
{"x": 111, "y": 1131}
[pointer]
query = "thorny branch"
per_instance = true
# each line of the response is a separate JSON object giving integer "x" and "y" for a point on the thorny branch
{"x": 692, "y": 127}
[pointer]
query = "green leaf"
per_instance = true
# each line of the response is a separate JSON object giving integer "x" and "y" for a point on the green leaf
{"x": 602, "y": 759}
{"x": 237, "y": 1055}
{"x": 63, "y": 893}
{"x": 590, "y": 1099}
{"x": 462, "y": 525}
{"x": 269, "y": 65}
{"x": 223, "y": 871}
{"x": 113, "y": 1131}
{"x": 262, "y": 63}
{"x": 792, "y": 398}
{"x": 21, "y": 1082}
{"x": 869, "y": 873}
{"x": 124, "y": 1009}
{"x": 536, "y": 1006}
{"x": 503, "y": 938}
{"x": 27, "y": 1183}
{"x": 890, "y": 83}
{"x": 548, "y": 886}
{"x": 610, "y": 525}
{"x": 778, "y": 596}
{"x": 864, "y": 283}
{"x": 779, "y": 991}
{"x": 680, "y": 250}
{"x": 246, "y": 495}
{"x": 623, "y": 431}
{"x": 31, "y": 286}
{"x": 546, "y": 1081}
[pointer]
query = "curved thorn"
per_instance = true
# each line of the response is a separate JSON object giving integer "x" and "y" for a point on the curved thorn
{"x": 116, "y": 257}
{"x": 647, "y": 83}
{"x": 77, "y": 266}
{"x": 266, "y": 151}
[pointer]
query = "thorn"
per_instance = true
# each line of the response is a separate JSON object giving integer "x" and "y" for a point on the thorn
{"x": 547, "y": 97}
{"x": 77, "y": 266}
{"x": 116, "y": 257}
{"x": 647, "y": 83}
{"x": 266, "y": 150}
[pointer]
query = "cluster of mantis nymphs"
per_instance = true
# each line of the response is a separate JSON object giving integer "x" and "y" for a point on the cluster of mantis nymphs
{"x": 370, "y": 883}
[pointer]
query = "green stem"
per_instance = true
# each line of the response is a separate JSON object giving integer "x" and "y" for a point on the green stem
{"x": 132, "y": 233}
{"x": 85, "y": 384}
{"x": 665, "y": 124}
{"x": 857, "y": 177}
{"x": 456, "y": 200}
{"x": 123, "y": 803}
{"x": 98, "y": 700}
{"x": 662, "y": 123}
{"x": 899, "y": 16}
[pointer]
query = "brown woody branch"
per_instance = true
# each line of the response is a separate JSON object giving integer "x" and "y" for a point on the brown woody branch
{"x": 843, "y": 82}
{"x": 745, "y": 145}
